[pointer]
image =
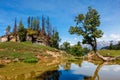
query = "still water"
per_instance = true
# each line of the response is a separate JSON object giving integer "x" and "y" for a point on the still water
{"x": 74, "y": 71}
{"x": 85, "y": 71}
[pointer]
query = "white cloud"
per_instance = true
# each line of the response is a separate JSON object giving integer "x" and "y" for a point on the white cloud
{"x": 75, "y": 38}
{"x": 115, "y": 37}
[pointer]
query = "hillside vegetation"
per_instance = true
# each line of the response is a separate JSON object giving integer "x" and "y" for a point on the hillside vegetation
{"x": 27, "y": 50}
{"x": 112, "y": 53}
{"x": 106, "y": 53}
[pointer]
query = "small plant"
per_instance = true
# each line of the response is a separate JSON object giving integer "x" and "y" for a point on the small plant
{"x": 31, "y": 60}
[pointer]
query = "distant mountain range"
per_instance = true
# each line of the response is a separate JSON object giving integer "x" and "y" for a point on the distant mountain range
{"x": 101, "y": 44}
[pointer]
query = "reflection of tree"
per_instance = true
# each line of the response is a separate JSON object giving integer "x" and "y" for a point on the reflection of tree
{"x": 96, "y": 73}
{"x": 49, "y": 75}
{"x": 67, "y": 66}
{"x": 79, "y": 63}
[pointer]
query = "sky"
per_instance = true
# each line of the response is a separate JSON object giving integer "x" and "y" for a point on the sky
{"x": 62, "y": 14}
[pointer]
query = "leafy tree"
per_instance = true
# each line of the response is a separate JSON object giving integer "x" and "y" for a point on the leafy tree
{"x": 87, "y": 26}
{"x": 55, "y": 39}
{"x": 111, "y": 46}
{"x": 31, "y": 33}
{"x": 8, "y": 32}
{"x": 86, "y": 50}
{"x": 76, "y": 50}
{"x": 118, "y": 45}
{"x": 21, "y": 32}
{"x": 65, "y": 46}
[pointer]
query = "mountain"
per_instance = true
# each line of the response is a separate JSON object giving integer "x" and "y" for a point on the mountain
{"x": 101, "y": 44}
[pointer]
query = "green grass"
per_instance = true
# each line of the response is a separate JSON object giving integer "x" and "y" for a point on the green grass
{"x": 112, "y": 53}
{"x": 31, "y": 60}
{"x": 22, "y": 50}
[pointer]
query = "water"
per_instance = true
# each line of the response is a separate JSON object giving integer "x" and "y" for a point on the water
{"x": 73, "y": 71}
{"x": 85, "y": 71}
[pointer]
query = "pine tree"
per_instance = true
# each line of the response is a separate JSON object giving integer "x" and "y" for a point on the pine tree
{"x": 8, "y": 32}
{"x": 43, "y": 25}
{"x": 15, "y": 30}
{"x": 21, "y": 32}
{"x": 29, "y": 22}
{"x": 55, "y": 39}
{"x": 48, "y": 27}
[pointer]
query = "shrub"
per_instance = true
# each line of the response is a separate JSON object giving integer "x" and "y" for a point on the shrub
{"x": 31, "y": 60}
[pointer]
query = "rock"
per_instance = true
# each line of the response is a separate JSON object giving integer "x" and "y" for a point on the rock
{"x": 16, "y": 60}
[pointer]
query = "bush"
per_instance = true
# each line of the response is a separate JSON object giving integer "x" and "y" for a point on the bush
{"x": 76, "y": 50}
{"x": 31, "y": 60}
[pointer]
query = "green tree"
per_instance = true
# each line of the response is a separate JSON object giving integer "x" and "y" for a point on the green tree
{"x": 87, "y": 26}
{"x": 8, "y": 32}
{"x": 55, "y": 39}
{"x": 65, "y": 46}
{"x": 86, "y": 50}
{"x": 48, "y": 30}
{"x": 43, "y": 26}
{"x": 118, "y": 45}
{"x": 29, "y": 22}
{"x": 15, "y": 30}
{"x": 76, "y": 50}
{"x": 111, "y": 46}
{"x": 31, "y": 33}
{"x": 21, "y": 32}
{"x": 48, "y": 27}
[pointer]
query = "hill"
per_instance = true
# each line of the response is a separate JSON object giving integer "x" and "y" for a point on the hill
{"x": 106, "y": 53}
{"x": 28, "y": 52}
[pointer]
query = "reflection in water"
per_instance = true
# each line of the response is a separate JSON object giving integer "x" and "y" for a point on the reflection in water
{"x": 96, "y": 72}
{"x": 1, "y": 65}
{"x": 73, "y": 71}
{"x": 63, "y": 74}
{"x": 50, "y": 75}
{"x": 28, "y": 76}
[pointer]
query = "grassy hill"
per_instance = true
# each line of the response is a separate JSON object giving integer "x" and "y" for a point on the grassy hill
{"x": 106, "y": 53}
{"x": 25, "y": 50}
{"x": 112, "y": 53}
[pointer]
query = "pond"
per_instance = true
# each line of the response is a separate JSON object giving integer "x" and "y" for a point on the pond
{"x": 74, "y": 71}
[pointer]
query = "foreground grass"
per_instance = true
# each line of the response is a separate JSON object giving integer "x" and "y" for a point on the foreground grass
{"x": 23, "y": 50}
{"x": 113, "y": 53}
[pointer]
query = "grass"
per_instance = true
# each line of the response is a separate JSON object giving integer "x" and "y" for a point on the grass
{"x": 31, "y": 60}
{"x": 113, "y": 53}
{"x": 22, "y": 50}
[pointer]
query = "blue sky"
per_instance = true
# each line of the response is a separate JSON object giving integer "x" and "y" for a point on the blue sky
{"x": 62, "y": 14}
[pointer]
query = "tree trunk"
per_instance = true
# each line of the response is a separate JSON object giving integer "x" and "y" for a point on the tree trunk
{"x": 94, "y": 46}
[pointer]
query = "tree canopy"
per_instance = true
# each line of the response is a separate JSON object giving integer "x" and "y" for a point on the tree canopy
{"x": 87, "y": 26}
